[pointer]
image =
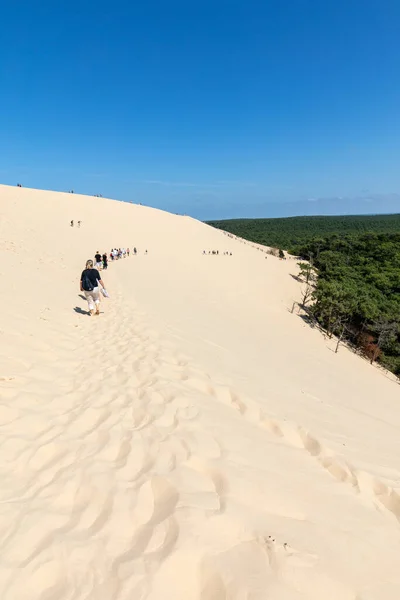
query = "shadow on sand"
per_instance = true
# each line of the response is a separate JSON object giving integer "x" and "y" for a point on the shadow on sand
{"x": 78, "y": 310}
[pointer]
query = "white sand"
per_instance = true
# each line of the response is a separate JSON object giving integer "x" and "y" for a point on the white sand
{"x": 194, "y": 442}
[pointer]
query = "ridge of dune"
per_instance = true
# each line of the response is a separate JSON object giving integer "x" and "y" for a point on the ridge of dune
{"x": 197, "y": 441}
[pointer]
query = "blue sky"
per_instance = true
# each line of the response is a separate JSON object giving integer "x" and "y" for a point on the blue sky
{"x": 216, "y": 109}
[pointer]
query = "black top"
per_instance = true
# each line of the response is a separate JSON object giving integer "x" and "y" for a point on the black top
{"x": 97, "y": 257}
{"x": 93, "y": 275}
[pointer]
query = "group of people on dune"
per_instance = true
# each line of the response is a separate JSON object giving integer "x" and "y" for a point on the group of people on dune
{"x": 91, "y": 283}
{"x": 217, "y": 252}
{"x": 117, "y": 253}
{"x": 100, "y": 261}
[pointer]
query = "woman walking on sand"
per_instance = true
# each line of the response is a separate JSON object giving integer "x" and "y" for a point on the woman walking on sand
{"x": 89, "y": 284}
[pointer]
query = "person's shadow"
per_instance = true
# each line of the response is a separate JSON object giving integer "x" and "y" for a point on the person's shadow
{"x": 78, "y": 310}
{"x": 82, "y": 296}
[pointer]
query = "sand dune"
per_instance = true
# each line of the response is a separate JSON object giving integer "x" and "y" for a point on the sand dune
{"x": 196, "y": 441}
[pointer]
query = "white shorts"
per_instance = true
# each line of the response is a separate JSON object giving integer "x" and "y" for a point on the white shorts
{"x": 93, "y": 298}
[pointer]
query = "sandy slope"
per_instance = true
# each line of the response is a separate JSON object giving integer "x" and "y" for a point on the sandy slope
{"x": 196, "y": 441}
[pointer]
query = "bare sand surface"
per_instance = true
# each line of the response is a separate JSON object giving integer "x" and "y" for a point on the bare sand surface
{"x": 197, "y": 441}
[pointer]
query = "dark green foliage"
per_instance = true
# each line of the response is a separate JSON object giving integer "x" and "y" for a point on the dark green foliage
{"x": 358, "y": 287}
{"x": 291, "y": 233}
{"x": 307, "y": 271}
{"x": 357, "y": 262}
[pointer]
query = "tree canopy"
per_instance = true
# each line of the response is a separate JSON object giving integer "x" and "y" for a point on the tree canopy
{"x": 359, "y": 285}
{"x": 291, "y": 233}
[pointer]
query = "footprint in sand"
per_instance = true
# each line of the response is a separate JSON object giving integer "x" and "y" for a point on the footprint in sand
{"x": 200, "y": 486}
{"x": 163, "y": 540}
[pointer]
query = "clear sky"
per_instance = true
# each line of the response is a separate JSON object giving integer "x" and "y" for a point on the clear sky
{"x": 212, "y": 108}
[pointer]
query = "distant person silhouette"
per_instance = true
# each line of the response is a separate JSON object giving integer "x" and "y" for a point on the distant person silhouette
{"x": 98, "y": 260}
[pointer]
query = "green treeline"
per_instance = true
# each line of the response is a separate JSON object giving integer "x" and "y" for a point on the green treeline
{"x": 291, "y": 233}
{"x": 357, "y": 291}
{"x": 352, "y": 274}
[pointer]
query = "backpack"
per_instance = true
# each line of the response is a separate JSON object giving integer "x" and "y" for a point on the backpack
{"x": 86, "y": 283}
